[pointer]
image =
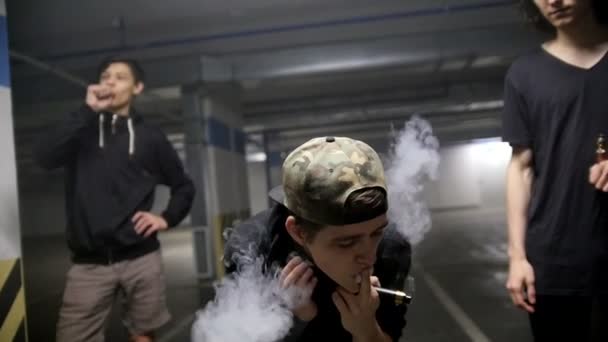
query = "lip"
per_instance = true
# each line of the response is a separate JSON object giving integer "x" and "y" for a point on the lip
{"x": 358, "y": 274}
{"x": 560, "y": 12}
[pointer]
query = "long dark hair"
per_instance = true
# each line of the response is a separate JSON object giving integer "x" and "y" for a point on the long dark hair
{"x": 533, "y": 15}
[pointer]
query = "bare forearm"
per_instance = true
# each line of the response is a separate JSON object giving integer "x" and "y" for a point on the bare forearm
{"x": 519, "y": 184}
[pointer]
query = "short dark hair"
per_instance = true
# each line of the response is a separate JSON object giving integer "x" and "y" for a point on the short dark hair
{"x": 533, "y": 15}
{"x": 360, "y": 206}
{"x": 134, "y": 66}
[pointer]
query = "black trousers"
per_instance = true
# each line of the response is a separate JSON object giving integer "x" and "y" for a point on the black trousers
{"x": 570, "y": 318}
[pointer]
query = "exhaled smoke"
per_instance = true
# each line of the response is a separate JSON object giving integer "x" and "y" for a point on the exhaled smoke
{"x": 249, "y": 306}
{"x": 413, "y": 161}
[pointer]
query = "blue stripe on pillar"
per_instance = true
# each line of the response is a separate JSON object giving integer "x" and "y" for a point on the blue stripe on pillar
{"x": 274, "y": 158}
{"x": 219, "y": 134}
{"x": 5, "y": 75}
{"x": 239, "y": 141}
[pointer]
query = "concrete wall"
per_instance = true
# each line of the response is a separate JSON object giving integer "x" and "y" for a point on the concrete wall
{"x": 13, "y": 322}
{"x": 258, "y": 187}
{"x": 470, "y": 175}
{"x": 10, "y": 243}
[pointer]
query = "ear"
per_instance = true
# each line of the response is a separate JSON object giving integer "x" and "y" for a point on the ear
{"x": 139, "y": 88}
{"x": 296, "y": 233}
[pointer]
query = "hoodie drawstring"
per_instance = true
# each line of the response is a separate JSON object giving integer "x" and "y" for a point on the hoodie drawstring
{"x": 101, "y": 134}
{"x": 131, "y": 137}
{"x": 114, "y": 120}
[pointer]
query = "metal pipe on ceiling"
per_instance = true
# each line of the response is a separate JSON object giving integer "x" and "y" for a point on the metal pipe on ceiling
{"x": 424, "y": 12}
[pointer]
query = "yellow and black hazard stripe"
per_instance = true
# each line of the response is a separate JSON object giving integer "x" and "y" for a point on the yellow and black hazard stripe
{"x": 12, "y": 302}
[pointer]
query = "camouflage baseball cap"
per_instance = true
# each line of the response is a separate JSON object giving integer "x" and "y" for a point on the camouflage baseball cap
{"x": 319, "y": 175}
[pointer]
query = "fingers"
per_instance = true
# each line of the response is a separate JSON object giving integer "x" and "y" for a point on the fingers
{"x": 598, "y": 176}
{"x": 146, "y": 223}
{"x": 296, "y": 274}
{"x": 594, "y": 173}
{"x": 151, "y": 230}
{"x": 513, "y": 299}
{"x": 94, "y": 88}
{"x": 99, "y": 97}
{"x": 103, "y": 93}
{"x": 137, "y": 216}
{"x": 531, "y": 290}
{"x": 518, "y": 297}
{"x": 309, "y": 287}
{"x": 512, "y": 292}
{"x": 601, "y": 183}
{"x": 310, "y": 283}
{"x": 142, "y": 222}
{"x": 349, "y": 300}
{"x": 313, "y": 283}
{"x": 143, "y": 227}
{"x": 100, "y": 91}
{"x": 375, "y": 282}
{"x": 303, "y": 281}
{"x": 340, "y": 304}
{"x": 365, "y": 289}
{"x": 289, "y": 267}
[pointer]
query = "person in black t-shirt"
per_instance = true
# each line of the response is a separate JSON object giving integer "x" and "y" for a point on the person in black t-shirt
{"x": 555, "y": 107}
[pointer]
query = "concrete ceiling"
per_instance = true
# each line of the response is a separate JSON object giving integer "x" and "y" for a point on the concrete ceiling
{"x": 355, "y": 65}
{"x": 41, "y": 27}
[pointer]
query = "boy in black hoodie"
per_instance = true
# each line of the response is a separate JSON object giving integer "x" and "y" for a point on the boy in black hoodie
{"x": 113, "y": 162}
{"x": 329, "y": 232}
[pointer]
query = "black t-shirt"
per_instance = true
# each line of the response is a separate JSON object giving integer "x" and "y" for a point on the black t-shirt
{"x": 266, "y": 233}
{"x": 558, "y": 110}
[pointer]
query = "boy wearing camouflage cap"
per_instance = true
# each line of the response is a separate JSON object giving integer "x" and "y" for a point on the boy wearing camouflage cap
{"x": 330, "y": 212}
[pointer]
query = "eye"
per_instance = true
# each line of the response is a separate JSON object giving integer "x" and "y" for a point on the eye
{"x": 377, "y": 234}
{"x": 346, "y": 244}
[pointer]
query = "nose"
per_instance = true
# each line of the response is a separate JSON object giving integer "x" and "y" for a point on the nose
{"x": 367, "y": 256}
{"x": 555, "y": 2}
{"x": 110, "y": 81}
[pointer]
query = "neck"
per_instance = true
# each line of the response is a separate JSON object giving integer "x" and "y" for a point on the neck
{"x": 586, "y": 34}
{"x": 123, "y": 111}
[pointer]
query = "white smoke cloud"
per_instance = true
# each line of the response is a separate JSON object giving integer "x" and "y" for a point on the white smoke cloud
{"x": 251, "y": 306}
{"x": 248, "y": 306}
{"x": 413, "y": 161}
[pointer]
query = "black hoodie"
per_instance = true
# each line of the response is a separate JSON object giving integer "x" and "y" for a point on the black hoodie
{"x": 265, "y": 235}
{"x": 113, "y": 165}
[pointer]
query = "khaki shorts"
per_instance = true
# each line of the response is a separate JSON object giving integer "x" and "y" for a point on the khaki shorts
{"x": 90, "y": 292}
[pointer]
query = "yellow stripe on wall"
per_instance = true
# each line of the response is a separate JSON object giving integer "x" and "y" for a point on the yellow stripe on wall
{"x": 14, "y": 318}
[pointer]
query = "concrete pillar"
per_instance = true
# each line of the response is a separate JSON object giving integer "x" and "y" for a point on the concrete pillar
{"x": 216, "y": 154}
{"x": 12, "y": 297}
{"x": 274, "y": 159}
